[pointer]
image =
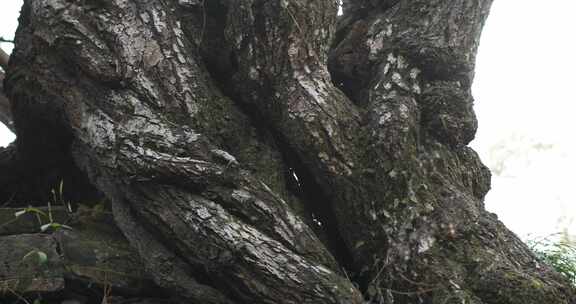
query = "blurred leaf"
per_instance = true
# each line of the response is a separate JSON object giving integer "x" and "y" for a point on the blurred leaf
{"x": 29, "y": 210}
{"x": 54, "y": 227}
{"x": 35, "y": 258}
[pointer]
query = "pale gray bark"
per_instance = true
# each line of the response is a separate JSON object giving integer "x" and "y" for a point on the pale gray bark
{"x": 5, "y": 112}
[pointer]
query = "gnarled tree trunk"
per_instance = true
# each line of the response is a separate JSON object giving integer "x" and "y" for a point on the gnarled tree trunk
{"x": 269, "y": 151}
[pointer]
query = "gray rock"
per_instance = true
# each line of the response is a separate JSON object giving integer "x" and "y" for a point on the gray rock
{"x": 29, "y": 263}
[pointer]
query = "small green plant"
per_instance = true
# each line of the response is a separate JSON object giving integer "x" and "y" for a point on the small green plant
{"x": 58, "y": 197}
{"x": 558, "y": 252}
{"x": 35, "y": 258}
{"x": 40, "y": 216}
{"x": 31, "y": 210}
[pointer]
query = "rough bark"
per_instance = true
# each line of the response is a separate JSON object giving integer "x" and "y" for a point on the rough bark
{"x": 194, "y": 117}
{"x": 5, "y": 113}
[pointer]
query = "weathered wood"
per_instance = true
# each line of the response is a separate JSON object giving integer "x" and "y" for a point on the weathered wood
{"x": 92, "y": 255}
{"x": 166, "y": 171}
{"x": 371, "y": 115}
{"x": 410, "y": 65}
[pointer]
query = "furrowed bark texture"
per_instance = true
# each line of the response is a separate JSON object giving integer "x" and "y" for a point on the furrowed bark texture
{"x": 265, "y": 152}
{"x": 149, "y": 128}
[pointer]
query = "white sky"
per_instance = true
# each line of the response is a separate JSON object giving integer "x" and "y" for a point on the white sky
{"x": 8, "y": 23}
{"x": 525, "y": 106}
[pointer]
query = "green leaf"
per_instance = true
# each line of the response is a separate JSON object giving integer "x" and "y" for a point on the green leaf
{"x": 29, "y": 210}
{"x": 54, "y": 226}
{"x": 66, "y": 227}
{"x": 42, "y": 258}
{"x": 35, "y": 257}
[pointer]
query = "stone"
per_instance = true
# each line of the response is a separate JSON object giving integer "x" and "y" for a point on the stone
{"x": 29, "y": 263}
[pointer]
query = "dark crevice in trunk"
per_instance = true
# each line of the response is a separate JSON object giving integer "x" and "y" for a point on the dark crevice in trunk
{"x": 209, "y": 19}
{"x": 76, "y": 187}
{"x": 344, "y": 64}
{"x": 321, "y": 214}
{"x": 350, "y": 86}
{"x": 26, "y": 183}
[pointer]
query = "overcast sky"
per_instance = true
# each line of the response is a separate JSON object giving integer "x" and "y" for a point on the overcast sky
{"x": 525, "y": 106}
{"x": 526, "y": 110}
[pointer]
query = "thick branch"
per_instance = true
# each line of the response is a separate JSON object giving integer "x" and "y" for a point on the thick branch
{"x": 415, "y": 59}
{"x": 152, "y": 140}
{"x": 282, "y": 72}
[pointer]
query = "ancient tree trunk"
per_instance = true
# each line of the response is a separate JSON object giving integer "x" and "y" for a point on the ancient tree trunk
{"x": 272, "y": 152}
